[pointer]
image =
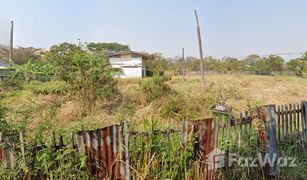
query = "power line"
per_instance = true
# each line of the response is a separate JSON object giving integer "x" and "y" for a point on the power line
{"x": 278, "y": 54}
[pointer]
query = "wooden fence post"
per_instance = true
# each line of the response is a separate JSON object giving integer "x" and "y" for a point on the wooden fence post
{"x": 126, "y": 142}
{"x": 22, "y": 147}
{"x": 304, "y": 117}
{"x": 2, "y": 151}
{"x": 272, "y": 145}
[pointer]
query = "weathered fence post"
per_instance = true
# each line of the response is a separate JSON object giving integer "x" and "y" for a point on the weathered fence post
{"x": 205, "y": 131}
{"x": 2, "y": 151}
{"x": 126, "y": 140}
{"x": 272, "y": 144}
{"x": 22, "y": 147}
{"x": 304, "y": 117}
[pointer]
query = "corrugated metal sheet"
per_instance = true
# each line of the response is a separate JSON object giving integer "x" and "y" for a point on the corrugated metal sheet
{"x": 205, "y": 131}
{"x": 2, "y": 150}
{"x": 107, "y": 151}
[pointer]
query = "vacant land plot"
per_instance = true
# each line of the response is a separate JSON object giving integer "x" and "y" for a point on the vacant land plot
{"x": 148, "y": 105}
{"x": 63, "y": 112}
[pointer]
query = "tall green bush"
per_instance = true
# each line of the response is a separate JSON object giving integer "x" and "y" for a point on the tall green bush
{"x": 51, "y": 87}
{"x": 155, "y": 88}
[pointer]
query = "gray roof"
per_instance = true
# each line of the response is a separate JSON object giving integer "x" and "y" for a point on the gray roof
{"x": 4, "y": 63}
{"x": 144, "y": 55}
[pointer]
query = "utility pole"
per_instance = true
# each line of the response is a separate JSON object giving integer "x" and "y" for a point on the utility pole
{"x": 11, "y": 42}
{"x": 202, "y": 73}
{"x": 183, "y": 65}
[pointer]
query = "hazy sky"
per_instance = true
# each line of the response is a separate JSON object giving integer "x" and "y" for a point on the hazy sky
{"x": 229, "y": 27}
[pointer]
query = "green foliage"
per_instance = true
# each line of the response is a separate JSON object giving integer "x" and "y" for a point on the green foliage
{"x": 271, "y": 63}
{"x": 155, "y": 88}
{"x": 11, "y": 83}
{"x": 210, "y": 64}
{"x": 179, "y": 107}
{"x": 193, "y": 64}
{"x": 298, "y": 66}
{"x": 6, "y": 128}
{"x": 160, "y": 156}
{"x": 31, "y": 71}
{"x": 84, "y": 71}
{"x": 250, "y": 61}
{"x": 60, "y": 58}
{"x": 87, "y": 73}
{"x": 231, "y": 64}
{"x": 253, "y": 64}
{"x": 158, "y": 64}
{"x": 51, "y": 87}
{"x": 3, "y": 124}
{"x": 65, "y": 163}
{"x": 91, "y": 75}
{"x": 106, "y": 47}
{"x": 26, "y": 73}
{"x": 294, "y": 150}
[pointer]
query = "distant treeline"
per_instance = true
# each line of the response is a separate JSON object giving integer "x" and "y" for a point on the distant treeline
{"x": 253, "y": 64}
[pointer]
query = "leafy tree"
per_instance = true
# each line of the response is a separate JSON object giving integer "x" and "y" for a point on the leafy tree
{"x": 87, "y": 73}
{"x": 269, "y": 64}
{"x": 213, "y": 64}
{"x": 274, "y": 63}
{"x": 250, "y": 61}
{"x": 27, "y": 71}
{"x": 192, "y": 64}
{"x": 61, "y": 59}
{"x": 158, "y": 64}
{"x": 91, "y": 77}
{"x": 231, "y": 64}
{"x": 107, "y": 47}
{"x": 297, "y": 66}
{"x": 304, "y": 57}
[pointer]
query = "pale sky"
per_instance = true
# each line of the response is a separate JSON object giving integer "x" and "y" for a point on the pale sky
{"x": 229, "y": 27}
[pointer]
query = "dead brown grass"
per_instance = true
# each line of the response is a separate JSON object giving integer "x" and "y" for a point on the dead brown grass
{"x": 241, "y": 92}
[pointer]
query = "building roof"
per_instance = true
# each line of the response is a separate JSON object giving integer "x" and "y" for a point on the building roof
{"x": 144, "y": 55}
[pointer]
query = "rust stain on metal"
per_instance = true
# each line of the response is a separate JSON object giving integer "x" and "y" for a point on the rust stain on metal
{"x": 2, "y": 152}
{"x": 205, "y": 131}
{"x": 104, "y": 149}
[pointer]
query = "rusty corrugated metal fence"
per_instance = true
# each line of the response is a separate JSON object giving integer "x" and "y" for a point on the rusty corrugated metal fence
{"x": 205, "y": 131}
{"x": 107, "y": 151}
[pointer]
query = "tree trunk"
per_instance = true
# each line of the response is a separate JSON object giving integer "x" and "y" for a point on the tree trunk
{"x": 202, "y": 73}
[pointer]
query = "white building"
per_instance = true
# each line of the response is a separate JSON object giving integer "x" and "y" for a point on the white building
{"x": 129, "y": 63}
{"x": 4, "y": 64}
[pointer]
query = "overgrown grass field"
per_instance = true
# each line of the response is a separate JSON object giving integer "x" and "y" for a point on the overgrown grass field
{"x": 43, "y": 107}
{"x": 40, "y": 108}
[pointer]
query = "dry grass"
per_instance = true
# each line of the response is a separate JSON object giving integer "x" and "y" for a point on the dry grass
{"x": 263, "y": 89}
{"x": 241, "y": 92}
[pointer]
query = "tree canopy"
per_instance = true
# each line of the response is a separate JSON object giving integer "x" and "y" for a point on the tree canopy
{"x": 107, "y": 47}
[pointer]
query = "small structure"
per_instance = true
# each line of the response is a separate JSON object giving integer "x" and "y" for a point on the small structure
{"x": 4, "y": 64}
{"x": 221, "y": 108}
{"x": 5, "y": 68}
{"x": 129, "y": 63}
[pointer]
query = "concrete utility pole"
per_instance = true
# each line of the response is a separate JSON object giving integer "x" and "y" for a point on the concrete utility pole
{"x": 183, "y": 65}
{"x": 11, "y": 42}
{"x": 202, "y": 73}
